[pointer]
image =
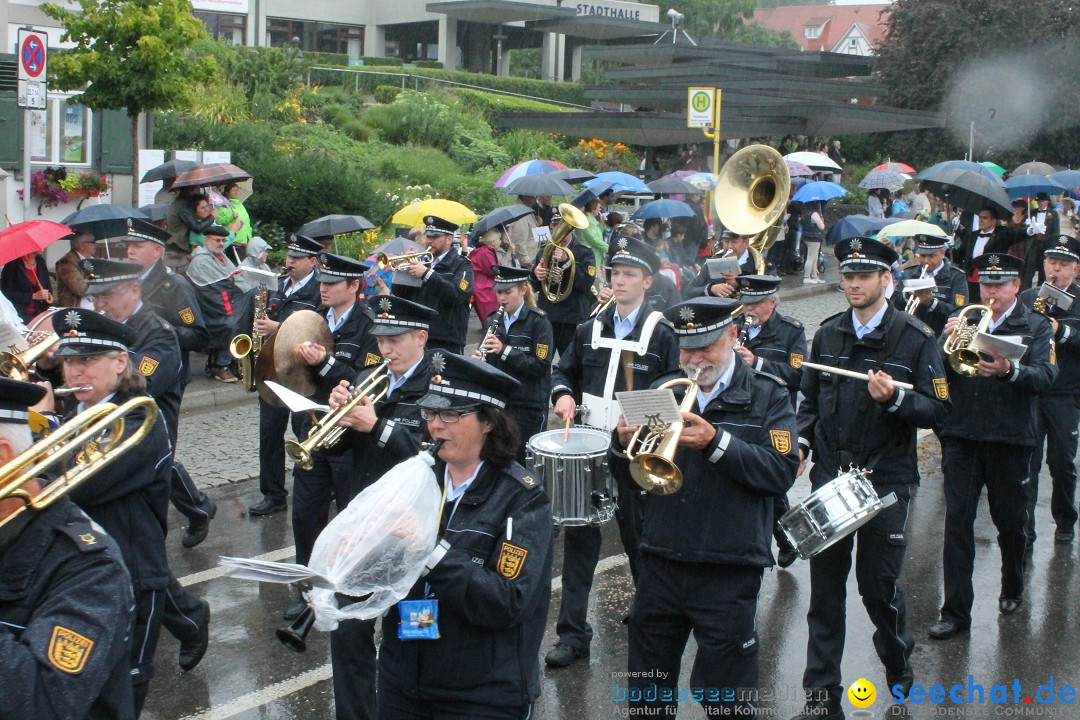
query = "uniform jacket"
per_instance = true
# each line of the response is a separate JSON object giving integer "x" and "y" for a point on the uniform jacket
{"x": 700, "y": 285}
{"x": 174, "y": 300}
{"x": 447, "y": 288}
{"x": 63, "y": 585}
{"x": 574, "y": 309}
{"x": 527, "y": 356}
{"x": 70, "y": 282}
{"x": 779, "y": 349}
{"x": 753, "y": 458}
{"x": 493, "y": 587}
{"x": 1066, "y": 342}
{"x": 950, "y": 294}
{"x": 16, "y": 286}
{"x": 279, "y": 307}
{"x": 1002, "y": 410}
{"x": 130, "y": 499}
{"x": 841, "y": 425}
{"x": 355, "y": 348}
{"x": 156, "y": 355}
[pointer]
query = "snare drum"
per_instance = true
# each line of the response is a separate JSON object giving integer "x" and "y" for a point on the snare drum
{"x": 832, "y": 512}
{"x": 575, "y": 474}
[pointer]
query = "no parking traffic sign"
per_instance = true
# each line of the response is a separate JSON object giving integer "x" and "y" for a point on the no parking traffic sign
{"x": 33, "y": 62}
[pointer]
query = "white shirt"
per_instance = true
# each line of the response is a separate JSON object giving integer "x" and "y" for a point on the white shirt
{"x": 725, "y": 379}
{"x": 294, "y": 286}
{"x": 335, "y": 323}
{"x": 752, "y": 331}
{"x": 871, "y": 324}
{"x": 994, "y": 324}
{"x": 624, "y": 326}
{"x": 511, "y": 319}
{"x": 745, "y": 257}
{"x": 10, "y": 316}
{"x": 396, "y": 382}
{"x": 453, "y": 493}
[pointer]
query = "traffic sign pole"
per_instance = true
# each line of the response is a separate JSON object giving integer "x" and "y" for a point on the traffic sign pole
{"x": 713, "y": 133}
{"x": 33, "y": 49}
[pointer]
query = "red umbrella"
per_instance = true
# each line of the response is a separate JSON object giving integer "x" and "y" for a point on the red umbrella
{"x": 204, "y": 175}
{"x": 29, "y": 237}
{"x": 898, "y": 167}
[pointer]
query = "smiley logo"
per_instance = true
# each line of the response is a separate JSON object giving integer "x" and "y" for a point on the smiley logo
{"x": 862, "y": 693}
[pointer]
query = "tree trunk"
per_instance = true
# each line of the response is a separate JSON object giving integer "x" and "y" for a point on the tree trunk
{"x": 134, "y": 160}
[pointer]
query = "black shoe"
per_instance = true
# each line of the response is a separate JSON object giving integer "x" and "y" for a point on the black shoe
{"x": 198, "y": 529}
{"x": 192, "y": 652}
{"x": 298, "y": 607}
{"x": 1008, "y": 606}
{"x": 945, "y": 629}
{"x": 786, "y": 557}
{"x": 821, "y": 710}
{"x": 267, "y": 507}
{"x": 563, "y": 655}
{"x": 904, "y": 678}
{"x": 1064, "y": 537}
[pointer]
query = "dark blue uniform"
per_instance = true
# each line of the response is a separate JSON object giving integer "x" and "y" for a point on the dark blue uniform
{"x": 695, "y": 573}
{"x": 65, "y": 620}
{"x": 699, "y": 286}
{"x": 447, "y": 288}
{"x": 565, "y": 316}
{"x": 840, "y": 425}
{"x": 493, "y": 587}
{"x": 1058, "y": 418}
{"x": 949, "y": 295}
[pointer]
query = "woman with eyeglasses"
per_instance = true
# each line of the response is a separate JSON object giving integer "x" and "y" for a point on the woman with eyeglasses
{"x": 465, "y": 642}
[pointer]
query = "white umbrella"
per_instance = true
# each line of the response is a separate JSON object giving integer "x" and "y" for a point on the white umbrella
{"x": 814, "y": 161}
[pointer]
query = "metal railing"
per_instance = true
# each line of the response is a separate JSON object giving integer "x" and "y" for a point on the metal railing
{"x": 417, "y": 78}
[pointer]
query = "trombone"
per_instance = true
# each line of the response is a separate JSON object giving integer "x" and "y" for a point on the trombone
{"x": 93, "y": 435}
{"x": 963, "y": 359}
{"x": 397, "y": 262}
{"x": 652, "y": 458}
{"x": 325, "y": 433}
{"x": 552, "y": 284}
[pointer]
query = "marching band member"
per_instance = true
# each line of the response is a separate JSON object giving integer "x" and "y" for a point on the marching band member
{"x": 936, "y": 304}
{"x": 488, "y": 582}
{"x": 988, "y": 440}
{"x": 130, "y": 499}
{"x": 565, "y": 316}
{"x": 66, "y": 604}
{"x": 704, "y": 285}
{"x": 848, "y": 423}
{"x": 446, "y": 286}
{"x": 774, "y": 344}
{"x": 521, "y": 346}
{"x": 1058, "y": 415}
{"x": 737, "y": 455}
{"x": 298, "y": 290}
{"x": 626, "y": 346}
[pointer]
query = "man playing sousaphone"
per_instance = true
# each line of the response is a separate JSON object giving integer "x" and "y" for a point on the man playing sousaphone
{"x": 737, "y": 454}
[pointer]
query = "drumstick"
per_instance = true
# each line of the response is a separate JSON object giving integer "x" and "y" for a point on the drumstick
{"x": 566, "y": 430}
{"x": 852, "y": 374}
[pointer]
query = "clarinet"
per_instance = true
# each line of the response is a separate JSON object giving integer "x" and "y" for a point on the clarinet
{"x": 496, "y": 318}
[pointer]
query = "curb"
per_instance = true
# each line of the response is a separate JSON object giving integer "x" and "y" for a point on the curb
{"x": 216, "y": 399}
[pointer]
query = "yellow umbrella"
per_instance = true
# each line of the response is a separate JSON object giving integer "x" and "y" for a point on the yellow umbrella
{"x": 414, "y": 214}
{"x": 907, "y": 228}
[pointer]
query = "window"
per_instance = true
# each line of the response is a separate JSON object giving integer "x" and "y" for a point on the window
{"x": 224, "y": 25}
{"x": 812, "y": 32}
{"x": 321, "y": 37}
{"x": 60, "y": 134}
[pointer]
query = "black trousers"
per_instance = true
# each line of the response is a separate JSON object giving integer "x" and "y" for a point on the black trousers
{"x": 273, "y": 422}
{"x": 562, "y": 335}
{"x": 188, "y": 499}
{"x": 780, "y": 506}
{"x": 719, "y": 604}
{"x": 1058, "y": 417}
{"x": 182, "y": 612}
{"x": 968, "y": 466}
{"x": 329, "y": 476}
{"x": 396, "y": 705}
{"x": 530, "y": 421}
{"x": 145, "y": 632}
{"x": 352, "y": 657}
{"x": 879, "y": 557}
{"x": 445, "y": 344}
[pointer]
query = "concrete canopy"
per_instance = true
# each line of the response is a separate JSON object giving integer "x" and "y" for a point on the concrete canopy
{"x": 494, "y": 12}
{"x": 594, "y": 27}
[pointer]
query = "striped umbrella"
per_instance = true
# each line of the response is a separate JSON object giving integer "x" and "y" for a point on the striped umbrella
{"x": 888, "y": 179}
{"x": 898, "y": 167}
{"x": 798, "y": 169}
{"x": 209, "y": 175}
{"x": 529, "y": 167}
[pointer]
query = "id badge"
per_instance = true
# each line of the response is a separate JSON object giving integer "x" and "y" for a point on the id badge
{"x": 419, "y": 619}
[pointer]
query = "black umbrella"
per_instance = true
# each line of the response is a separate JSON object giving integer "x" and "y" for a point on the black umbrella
{"x": 673, "y": 186}
{"x": 539, "y": 185}
{"x": 156, "y": 212}
{"x": 169, "y": 170}
{"x": 104, "y": 221}
{"x": 571, "y": 175}
{"x": 967, "y": 189}
{"x": 961, "y": 165}
{"x": 330, "y": 225}
{"x": 500, "y": 216}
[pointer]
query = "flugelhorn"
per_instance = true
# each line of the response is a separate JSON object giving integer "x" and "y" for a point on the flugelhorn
{"x": 325, "y": 433}
{"x": 962, "y": 358}
{"x": 913, "y": 299}
{"x": 397, "y": 262}
{"x": 18, "y": 365}
{"x": 94, "y": 434}
{"x": 652, "y": 458}
{"x": 1051, "y": 296}
{"x": 552, "y": 284}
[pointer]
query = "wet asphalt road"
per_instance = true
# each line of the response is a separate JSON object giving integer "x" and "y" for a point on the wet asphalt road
{"x": 248, "y": 674}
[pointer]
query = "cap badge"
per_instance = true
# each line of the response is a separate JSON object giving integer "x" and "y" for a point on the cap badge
{"x": 686, "y": 314}
{"x": 438, "y": 362}
{"x": 993, "y": 260}
{"x": 384, "y": 305}
{"x": 856, "y": 245}
{"x": 623, "y": 243}
{"x": 72, "y": 318}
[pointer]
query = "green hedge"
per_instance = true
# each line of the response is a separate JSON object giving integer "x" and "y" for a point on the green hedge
{"x": 381, "y": 61}
{"x": 313, "y": 57}
{"x": 430, "y": 64}
{"x": 386, "y": 93}
{"x": 490, "y": 104}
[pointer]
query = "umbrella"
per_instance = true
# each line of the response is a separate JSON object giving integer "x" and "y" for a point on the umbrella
{"x": 888, "y": 179}
{"x": 156, "y": 212}
{"x": 798, "y": 169}
{"x": 624, "y": 183}
{"x": 330, "y": 225}
{"x": 997, "y": 169}
{"x": 961, "y": 165}
{"x": 104, "y": 221}
{"x": 702, "y": 180}
{"x": 529, "y": 167}
{"x": 898, "y": 167}
{"x": 907, "y": 228}
{"x": 500, "y": 216}
{"x": 1034, "y": 168}
{"x": 215, "y": 174}
{"x": 29, "y": 237}
{"x": 663, "y": 209}
{"x": 413, "y": 215}
{"x": 854, "y": 226}
{"x": 814, "y": 161}
{"x": 1025, "y": 186}
{"x": 968, "y": 189}
{"x": 539, "y": 185}
{"x": 169, "y": 170}
{"x": 673, "y": 186}
{"x": 818, "y": 192}
{"x": 572, "y": 175}
{"x": 1068, "y": 178}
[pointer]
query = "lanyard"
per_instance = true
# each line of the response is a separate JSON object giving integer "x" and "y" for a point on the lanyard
{"x": 442, "y": 507}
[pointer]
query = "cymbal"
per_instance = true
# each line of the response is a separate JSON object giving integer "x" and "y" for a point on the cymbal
{"x": 264, "y": 370}
{"x": 300, "y": 327}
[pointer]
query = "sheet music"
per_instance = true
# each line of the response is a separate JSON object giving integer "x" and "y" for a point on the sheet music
{"x": 649, "y": 407}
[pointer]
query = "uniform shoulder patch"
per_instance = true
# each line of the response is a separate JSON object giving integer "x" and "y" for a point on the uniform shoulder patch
{"x": 187, "y": 316}
{"x": 464, "y": 284}
{"x": 781, "y": 440}
{"x": 371, "y": 359}
{"x": 791, "y": 321}
{"x": 919, "y": 325}
{"x": 796, "y": 360}
{"x": 959, "y": 300}
{"x": 148, "y": 365}
{"x": 941, "y": 388}
{"x": 68, "y": 650}
{"x": 592, "y": 271}
{"x": 542, "y": 351}
{"x": 85, "y": 537}
{"x": 511, "y": 560}
{"x": 526, "y": 477}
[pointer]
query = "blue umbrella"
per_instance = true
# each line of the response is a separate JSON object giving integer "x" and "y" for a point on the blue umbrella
{"x": 665, "y": 208}
{"x": 1025, "y": 186}
{"x": 819, "y": 191}
{"x": 855, "y": 226}
{"x": 624, "y": 182}
{"x": 1068, "y": 178}
{"x": 960, "y": 165}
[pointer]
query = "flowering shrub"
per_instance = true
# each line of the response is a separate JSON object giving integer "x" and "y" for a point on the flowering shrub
{"x": 89, "y": 182}
{"x": 599, "y": 156}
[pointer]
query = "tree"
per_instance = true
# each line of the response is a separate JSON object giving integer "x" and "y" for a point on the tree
{"x": 128, "y": 55}
{"x": 711, "y": 17}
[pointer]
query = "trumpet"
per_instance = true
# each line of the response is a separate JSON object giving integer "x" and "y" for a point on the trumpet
{"x": 397, "y": 262}
{"x": 913, "y": 300}
{"x": 18, "y": 365}
{"x": 325, "y": 433}
{"x": 652, "y": 458}
{"x": 93, "y": 435}
{"x": 246, "y": 348}
{"x": 552, "y": 283}
{"x": 963, "y": 359}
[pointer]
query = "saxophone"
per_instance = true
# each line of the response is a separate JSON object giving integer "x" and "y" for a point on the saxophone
{"x": 246, "y": 348}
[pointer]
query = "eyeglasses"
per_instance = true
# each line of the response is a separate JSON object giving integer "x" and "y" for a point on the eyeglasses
{"x": 448, "y": 417}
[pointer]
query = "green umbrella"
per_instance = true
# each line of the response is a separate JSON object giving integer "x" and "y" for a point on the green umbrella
{"x": 998, "y": 170}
